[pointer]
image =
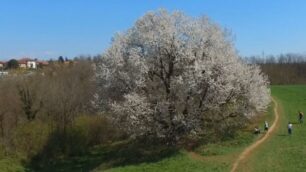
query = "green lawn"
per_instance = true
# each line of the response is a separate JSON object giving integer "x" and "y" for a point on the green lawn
{"x": 212, "y": 157}
{"x": 282, "y": 152}
{"x": 180, "y": 162}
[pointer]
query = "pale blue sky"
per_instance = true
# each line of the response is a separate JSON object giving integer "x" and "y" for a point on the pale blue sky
{"x": 50, "y": 28}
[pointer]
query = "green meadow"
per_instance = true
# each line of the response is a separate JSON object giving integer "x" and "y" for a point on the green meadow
{"x": 282, "y": 152}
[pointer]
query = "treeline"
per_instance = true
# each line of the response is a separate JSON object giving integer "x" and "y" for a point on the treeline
{"x": 49, "y": 113}
{"x": 282, "y": 69}
{"x": 89, "y": 58}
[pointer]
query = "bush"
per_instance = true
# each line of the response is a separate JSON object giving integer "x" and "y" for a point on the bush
{"x": 3, "y": 151}
{"x": 84, "y": 133}
{"x": 95, "y": 129}
{"x": 30, "y": 138}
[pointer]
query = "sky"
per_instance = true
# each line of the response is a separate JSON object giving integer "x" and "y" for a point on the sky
{"x": 47, "y": 29}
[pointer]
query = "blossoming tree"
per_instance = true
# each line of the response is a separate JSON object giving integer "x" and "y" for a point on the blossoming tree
{"x": 172, "y": 75}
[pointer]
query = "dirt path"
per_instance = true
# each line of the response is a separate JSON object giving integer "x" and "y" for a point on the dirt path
{"x": 246, "y": 153}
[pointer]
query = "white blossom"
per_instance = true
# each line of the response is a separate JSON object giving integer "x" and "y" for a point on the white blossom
{"x": 170, "y": 74}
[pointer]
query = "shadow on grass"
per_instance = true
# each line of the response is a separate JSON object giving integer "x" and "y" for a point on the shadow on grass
{"x": 104, "y": 157}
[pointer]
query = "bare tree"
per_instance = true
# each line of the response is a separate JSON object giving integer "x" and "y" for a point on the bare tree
{"x": 28, "y": 93}
{"x": 10, "y": 106}
{"x": 67, "y": 92}
{"x": 282, "y": 69}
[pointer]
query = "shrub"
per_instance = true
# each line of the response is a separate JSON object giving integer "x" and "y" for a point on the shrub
{"x": 84, "y": 133}
{"x": 96, "y": 130}
{"x": 30, "y": 138}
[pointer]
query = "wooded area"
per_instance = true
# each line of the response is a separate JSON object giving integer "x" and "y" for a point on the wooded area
{"x": 282, "y": 69}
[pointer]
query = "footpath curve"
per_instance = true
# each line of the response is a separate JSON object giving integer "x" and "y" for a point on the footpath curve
{"x": 246, "y": 153}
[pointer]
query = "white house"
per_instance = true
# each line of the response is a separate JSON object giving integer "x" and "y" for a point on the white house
{"x": 32, "y": 64}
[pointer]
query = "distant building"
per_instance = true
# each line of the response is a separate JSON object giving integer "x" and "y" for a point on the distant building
{"x": 22, "y": 63}
{"x": 2, "y": 64}
{"x": 32, "y": 64}
{"x": 27, "y": 63}
{"x": 42, "y": 63}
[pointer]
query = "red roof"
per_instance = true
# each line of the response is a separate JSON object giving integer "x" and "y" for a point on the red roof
{"x": 43, "y": 62}
{"x": 24, "y": 60}
{"x": 1, "y": 62}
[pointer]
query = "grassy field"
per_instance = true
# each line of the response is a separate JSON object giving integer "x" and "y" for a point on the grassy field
{"x": 212, "y": 157}
{"x": 283, "y": 152}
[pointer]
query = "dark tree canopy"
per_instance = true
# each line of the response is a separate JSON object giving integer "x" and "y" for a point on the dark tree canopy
{"x": 12, "y": 64}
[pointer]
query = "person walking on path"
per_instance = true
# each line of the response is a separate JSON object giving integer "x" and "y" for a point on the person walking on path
{"x": 256, "y": 130}
{"x": 266, "y": 126}
{"x": 289, "y": 128}
{"x": 301, "y": 117}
